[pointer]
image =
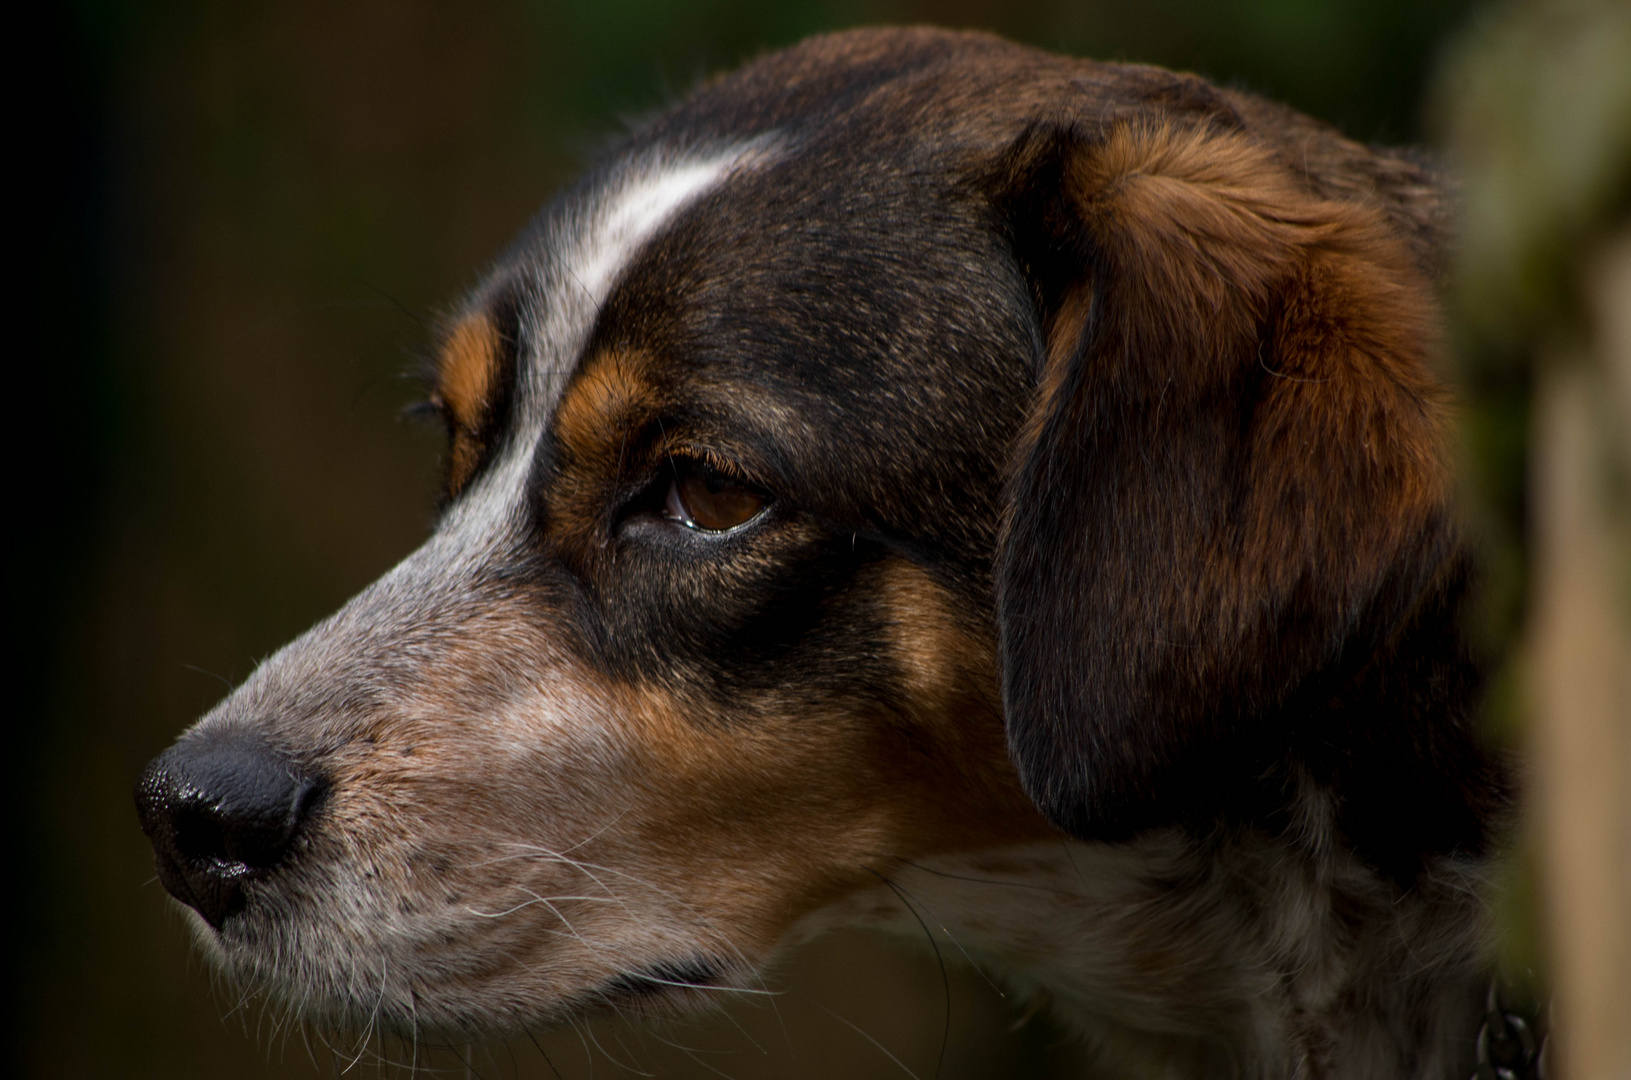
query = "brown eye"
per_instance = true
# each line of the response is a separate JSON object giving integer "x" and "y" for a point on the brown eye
{"x": 704, "y": 498}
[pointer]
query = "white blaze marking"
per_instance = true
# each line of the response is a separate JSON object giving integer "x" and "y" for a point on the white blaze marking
{"x": 640, "y": 209}
{"x": 586, "y": 248}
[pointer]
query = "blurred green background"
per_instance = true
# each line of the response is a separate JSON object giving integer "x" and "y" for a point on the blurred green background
{"x": 251, "y": 210}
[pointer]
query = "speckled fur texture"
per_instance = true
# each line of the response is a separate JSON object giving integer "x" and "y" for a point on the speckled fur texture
{"x": 1102, "y": 589}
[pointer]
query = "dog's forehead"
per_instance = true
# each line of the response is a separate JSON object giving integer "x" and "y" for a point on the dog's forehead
{"x": 585, "y": 243}
{"x": 810, "y": 175}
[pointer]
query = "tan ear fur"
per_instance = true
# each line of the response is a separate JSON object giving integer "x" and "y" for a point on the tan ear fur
{"x": 1232, "y": 487}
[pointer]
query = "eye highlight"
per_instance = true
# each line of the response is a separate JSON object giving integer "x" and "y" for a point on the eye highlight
{"x": 701, "y": 496}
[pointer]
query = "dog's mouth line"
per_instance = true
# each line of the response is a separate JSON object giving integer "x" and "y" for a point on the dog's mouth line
{"x": 647, "y": 988}
{"x": 668, "y": 976}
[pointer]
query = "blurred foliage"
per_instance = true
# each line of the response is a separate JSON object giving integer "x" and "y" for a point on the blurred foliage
{"x": 251, "y": 209}
{"x": 1533, "y": 105}
{"x": 1536, "y": 107}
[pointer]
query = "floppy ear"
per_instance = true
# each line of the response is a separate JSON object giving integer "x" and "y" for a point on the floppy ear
{"x": 1231, "y": 487}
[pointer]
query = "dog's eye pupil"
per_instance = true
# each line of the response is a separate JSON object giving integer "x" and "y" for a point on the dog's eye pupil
{"x": 705, "y": 498}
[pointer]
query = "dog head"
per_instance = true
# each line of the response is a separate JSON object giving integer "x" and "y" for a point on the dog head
{"x": 911, "y": 444}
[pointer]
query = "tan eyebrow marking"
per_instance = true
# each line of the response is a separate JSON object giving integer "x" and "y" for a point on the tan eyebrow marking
{"x": 600, "y": 408}
{"x": 467, "y": 370}
{"x": 595, "y": 412}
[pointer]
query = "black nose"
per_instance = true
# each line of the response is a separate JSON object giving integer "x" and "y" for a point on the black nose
{"x": 221, "y": 808}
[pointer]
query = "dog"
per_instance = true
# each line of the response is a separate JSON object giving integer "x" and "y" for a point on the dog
{"x": 913, "y": 461}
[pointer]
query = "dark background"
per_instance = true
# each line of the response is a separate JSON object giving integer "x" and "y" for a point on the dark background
{"x": 242, "y": 215}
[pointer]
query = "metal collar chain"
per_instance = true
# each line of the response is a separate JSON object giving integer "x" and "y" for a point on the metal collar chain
{"x": 1511, "y": 1041}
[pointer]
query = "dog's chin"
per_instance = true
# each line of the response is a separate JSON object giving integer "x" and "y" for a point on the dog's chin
{"x": 417, "y": 982}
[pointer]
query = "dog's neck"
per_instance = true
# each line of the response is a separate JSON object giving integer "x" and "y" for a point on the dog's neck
{"x": 1279, "y": 955}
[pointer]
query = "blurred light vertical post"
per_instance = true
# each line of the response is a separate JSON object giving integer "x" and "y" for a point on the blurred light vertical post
{"x": 1582, "y": 658}
{"x": 1537, "y": 106}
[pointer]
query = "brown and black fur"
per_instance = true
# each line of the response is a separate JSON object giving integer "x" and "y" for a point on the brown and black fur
{"x": 1104, "y": 475}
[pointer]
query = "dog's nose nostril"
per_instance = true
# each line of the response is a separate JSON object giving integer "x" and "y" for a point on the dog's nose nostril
{"x": 220, "y": 808}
